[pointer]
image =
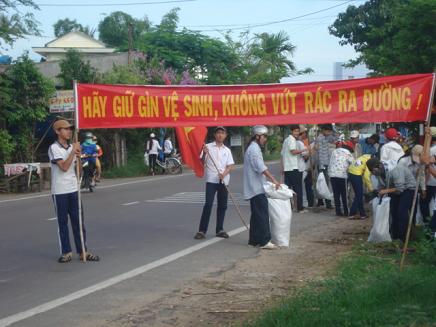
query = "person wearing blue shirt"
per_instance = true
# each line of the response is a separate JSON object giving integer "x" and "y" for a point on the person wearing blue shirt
{"x": 370, "y": 144}
{"x": 255, "y": 172}
{"x": 89, "y": 153}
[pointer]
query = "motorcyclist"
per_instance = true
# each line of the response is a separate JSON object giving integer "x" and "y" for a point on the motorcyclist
{"x": 89, "y": 156}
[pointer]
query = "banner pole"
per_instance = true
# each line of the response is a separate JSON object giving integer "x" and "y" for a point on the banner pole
{"x": 231, "y": 195}
{"x": 78, "y": 164}
{"x": 426, "y": 153}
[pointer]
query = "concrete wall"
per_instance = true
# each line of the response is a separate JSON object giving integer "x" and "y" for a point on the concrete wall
{"x": 101, "y": 62}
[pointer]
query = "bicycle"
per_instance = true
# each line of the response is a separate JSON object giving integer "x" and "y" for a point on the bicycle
{"x": 171, "y": 165}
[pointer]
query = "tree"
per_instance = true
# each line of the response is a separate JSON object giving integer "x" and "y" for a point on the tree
{"x": 7, "y": 144}
{"x": 114, "y": 29}
{"x": 15, "y": 24}
{"x": 265, "y": 57}
{"x": 209, "y": 60}
{"x": 27, "y": 104}
{"x": 74, "y": 68}
{"x": 391, "y": 36}
{"x": 64, "y": 26}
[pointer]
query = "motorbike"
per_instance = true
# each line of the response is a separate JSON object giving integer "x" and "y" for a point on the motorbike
{"x": 89, "y": 172}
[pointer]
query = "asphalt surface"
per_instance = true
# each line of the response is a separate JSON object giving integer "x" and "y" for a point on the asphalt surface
{"x": 130, "y": 223}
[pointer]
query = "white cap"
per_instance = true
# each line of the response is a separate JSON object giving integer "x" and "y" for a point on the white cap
{"x": 152, "y": 135}
{"x": 354, "y": 134}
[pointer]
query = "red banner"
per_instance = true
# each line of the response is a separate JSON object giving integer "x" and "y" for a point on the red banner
{"x": 381, "y": 99}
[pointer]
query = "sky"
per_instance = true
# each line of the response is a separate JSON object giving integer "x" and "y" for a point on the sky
{"x": 315, "y": 47}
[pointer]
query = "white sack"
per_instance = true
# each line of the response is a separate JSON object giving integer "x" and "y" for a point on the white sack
{"x": 322, "y": 189}
{"x": 380, "y": 229}
{"x": 283, "y": 193}
{"x": 280, "y": 215}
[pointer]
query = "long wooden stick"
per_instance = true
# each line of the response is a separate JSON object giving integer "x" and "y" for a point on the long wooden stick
{"x": 79, "y": 194}
{"x": 231, "y": 195}
{"x": 427, "y": 141}
{"x": 409, "y": 226}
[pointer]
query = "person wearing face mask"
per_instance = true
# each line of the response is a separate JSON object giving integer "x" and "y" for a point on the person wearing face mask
{"x": 400, "y": 184}
{"x": 255, "y": 172}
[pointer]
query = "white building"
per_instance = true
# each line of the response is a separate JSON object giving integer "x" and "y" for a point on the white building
{"x": 56, "y": 49}
{"x": 340, "y": 72}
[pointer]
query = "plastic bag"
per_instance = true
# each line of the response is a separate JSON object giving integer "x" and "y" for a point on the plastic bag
{"x": 419, "y": 217}
{"x": 280, "y": 215}
{"x": 283, "y": 193}
{"x": 146, "y": 158}
{"x": 380, "y": 229}
{"x": 322, "y": 188}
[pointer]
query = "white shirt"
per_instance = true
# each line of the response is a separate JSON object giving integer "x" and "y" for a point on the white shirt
{"x": 62, "y": 182}
{"x": 155, "y": 147}
{"x": 391, "y": 151}
{"x": 432, "y": 180}
{"x": 168, "y": 146}
{"x": 340, "y": 160}
{"x": 290, "y": 161}
{"x": 222, "y": 157}
{"x": 253, "y": 171}
{"x": 302, "y": 165}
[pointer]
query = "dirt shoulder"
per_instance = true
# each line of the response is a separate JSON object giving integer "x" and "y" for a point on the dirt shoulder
{"x": 253, "y": 284}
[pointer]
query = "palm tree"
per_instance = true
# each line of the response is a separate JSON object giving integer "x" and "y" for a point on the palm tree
{"x": 269, "y": 58}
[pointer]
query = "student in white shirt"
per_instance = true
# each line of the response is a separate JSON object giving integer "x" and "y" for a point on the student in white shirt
{"x": 216, "y": 153}
{"x": 153, "y": 147}
{"x": 168, "y": 146}
{"x": 62, "y": 155}
{"x": 292, "y": 175}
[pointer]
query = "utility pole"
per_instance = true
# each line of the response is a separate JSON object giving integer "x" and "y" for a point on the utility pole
{"x": 129, "y": 56}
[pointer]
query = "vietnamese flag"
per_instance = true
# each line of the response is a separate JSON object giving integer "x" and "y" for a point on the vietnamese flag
{"x": 191, "y": 140}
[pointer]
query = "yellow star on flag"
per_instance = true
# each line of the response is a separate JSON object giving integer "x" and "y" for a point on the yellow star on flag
{"x": 187, "y": 130}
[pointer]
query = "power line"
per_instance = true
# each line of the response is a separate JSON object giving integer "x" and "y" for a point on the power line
{"x": 245, "y": 24}
{"x": 273, "y": 22}
{"x": 110, "y": 4}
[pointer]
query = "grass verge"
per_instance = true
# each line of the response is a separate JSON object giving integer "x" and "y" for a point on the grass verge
{"x": 135, "y": 167}
{"x": 366, "y": 290}
{"x": 272, "y": 156}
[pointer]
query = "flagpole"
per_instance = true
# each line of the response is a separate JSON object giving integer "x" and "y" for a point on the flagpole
{"x": 231, "y": 195}
{"x": 78, "y": 164}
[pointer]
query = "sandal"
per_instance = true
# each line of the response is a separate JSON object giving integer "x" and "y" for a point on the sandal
{"x": 222, "y": 234}
{"x": 90, "y": 257}
{"x": 64, "y": 258}
{"x": 200, "y": 236}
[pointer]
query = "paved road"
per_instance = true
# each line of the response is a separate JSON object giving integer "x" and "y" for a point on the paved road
{"x": 142, "y": 229}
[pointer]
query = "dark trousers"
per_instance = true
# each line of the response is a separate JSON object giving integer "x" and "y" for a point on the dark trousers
{"x": 68, "y": 205}
{"x": 260, "y": 233}
{"x": 308, "y": 183}
{"x": 328, "y": 203}
{"x": 152, "y": 162}
{"x": 426, "y": 211}
{"x": 401, "y": 204}
{"x": 294, "y": 180}
{"x": 89, "y": 172}
{"x": 211, "y": 189}
{"x": 433, "y": 222}
{"x": 357, "y": 184}
{"x": 339, "y": 186}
